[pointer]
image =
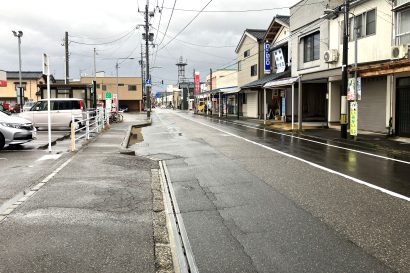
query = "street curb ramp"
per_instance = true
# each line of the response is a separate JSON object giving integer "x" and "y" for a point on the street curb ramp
{"x": 125, "y": 143}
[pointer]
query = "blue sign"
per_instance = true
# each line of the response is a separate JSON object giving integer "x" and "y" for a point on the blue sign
{"x": 266, "y": 58}
{"x": 283, "y": 106}
{"x": 148, "y": 81}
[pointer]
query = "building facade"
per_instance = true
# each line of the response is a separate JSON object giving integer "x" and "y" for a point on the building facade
{"x": 30, "y": 82}
{"x": 128, "y": 91}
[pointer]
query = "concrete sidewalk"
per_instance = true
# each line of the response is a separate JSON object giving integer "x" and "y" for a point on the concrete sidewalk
{"x": 96, "y": 214}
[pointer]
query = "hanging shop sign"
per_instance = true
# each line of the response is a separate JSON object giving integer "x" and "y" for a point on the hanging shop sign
{"x": 353, "y": 118}
{"x": 280, "y": 60}
{"x": 266, "y": 58}
{"x": 197, "y": 83}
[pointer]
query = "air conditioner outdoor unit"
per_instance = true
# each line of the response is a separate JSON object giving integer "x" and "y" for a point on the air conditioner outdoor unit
{"x": 331, "y": 56}
{"x": 399, "y": 52}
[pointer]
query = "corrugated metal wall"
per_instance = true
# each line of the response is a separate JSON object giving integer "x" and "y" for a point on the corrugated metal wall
{"x": 250, "y": 109}
{"x": 372, "y": 107}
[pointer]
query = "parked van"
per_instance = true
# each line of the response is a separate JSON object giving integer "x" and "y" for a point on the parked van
{"x": 62, "y": 111}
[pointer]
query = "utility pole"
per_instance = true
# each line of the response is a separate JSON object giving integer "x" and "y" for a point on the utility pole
{"x": 20, "y": 95}
{"x": 344, "y": 107}
{"x": 142, "y": 76}
{"x": 95, "y": 64}
{"x": 148, "y": 88}
{"x": 67, "y": 56}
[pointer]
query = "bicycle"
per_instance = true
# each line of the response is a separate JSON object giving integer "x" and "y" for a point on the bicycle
{"x": 116, "y": 117}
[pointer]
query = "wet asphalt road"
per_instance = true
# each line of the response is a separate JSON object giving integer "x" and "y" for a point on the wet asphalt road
{"x": 388, "y": 174}
{"x": 247, "y": 208}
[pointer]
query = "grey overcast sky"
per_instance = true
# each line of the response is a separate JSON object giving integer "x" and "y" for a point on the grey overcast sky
{"x": 103, "y": 21}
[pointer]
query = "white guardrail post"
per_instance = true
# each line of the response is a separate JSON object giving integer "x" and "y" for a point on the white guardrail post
{"x": 87, "y": 126}
{"x": 97, "y": 119}
{"x": 72, "y": 134}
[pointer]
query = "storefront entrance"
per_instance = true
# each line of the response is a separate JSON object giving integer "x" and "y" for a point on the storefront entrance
{"x": 403, "y": 107}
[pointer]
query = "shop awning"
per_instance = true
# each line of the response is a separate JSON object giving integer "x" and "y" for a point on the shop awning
{"x": 281, "y": 82}
{"x": 230, "y": 90}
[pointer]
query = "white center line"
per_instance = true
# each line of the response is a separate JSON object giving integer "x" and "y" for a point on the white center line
{"x": 303, "y": 160}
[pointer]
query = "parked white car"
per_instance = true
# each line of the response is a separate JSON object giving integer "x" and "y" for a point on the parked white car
{"x": 62, "y": 111}
{"x": 14, "y": 130}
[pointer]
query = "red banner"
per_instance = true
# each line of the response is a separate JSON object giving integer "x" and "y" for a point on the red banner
{"x": 197, "y": 83}
{"x": 3, "y": 83}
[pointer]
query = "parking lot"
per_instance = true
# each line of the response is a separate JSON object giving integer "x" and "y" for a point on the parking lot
{"x": 23, "y": 165}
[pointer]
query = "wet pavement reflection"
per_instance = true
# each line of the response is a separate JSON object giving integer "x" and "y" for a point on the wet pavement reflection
{"x": 388, "y": 174}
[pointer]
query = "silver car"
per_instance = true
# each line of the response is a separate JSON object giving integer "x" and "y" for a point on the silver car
{"x": 15, "y": 130}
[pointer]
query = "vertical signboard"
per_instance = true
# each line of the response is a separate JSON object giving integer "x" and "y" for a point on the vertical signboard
{"x": 351, "y": 92}
{"x": 197, "y": 83}
{"x": 359, "y": 88}
{"x": 266, "y": 58}
{"x": 3, "y": 78}
{"x": 280, "y": 60}
{"x": 353, "y": 118}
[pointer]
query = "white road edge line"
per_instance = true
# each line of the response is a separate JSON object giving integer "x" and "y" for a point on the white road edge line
{"x": 318, "y": 142}
{"x": 305, "y": 161}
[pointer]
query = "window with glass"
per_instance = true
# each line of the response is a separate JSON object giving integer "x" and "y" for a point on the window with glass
{"x": 132, "y": 88}
{"x": 365, "y": 23}
{"x": 254, "y": 70}
{"x": 247, "y": 53}
{"x": 311, "y": 47}
{"x": 403, "y": 27}
{"x": 104, "y": 87}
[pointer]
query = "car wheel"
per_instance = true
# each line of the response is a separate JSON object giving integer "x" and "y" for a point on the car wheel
{"x": 77, "y": 125}
{"x": 2, "y": 141}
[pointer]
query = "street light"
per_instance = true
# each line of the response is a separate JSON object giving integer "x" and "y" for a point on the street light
{"x": 20, "y": 95}
{"x": 116, "y": 68}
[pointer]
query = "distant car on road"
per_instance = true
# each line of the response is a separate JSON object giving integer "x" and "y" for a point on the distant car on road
{"x": 62, "y": 110}
{"x": 15, "y": 130}
{"x": 27, "y": 106}
{"x": 124, "y": 108}
{"x": 15, "y": 108}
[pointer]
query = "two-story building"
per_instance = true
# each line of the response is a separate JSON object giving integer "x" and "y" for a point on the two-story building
{"x": 30, "y": 82}
{"x": 128, "y": 90}
{"x": 309, "y": 41}
{"x": 250, "y": 68}
{"x": 382, "y": 30}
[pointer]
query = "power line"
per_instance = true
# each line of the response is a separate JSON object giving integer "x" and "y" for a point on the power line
{"x": 105, "y": 43}
{"x": 169, "y": 21}
{"x": 186, "y": 26}
{"x": 242, "y": 11}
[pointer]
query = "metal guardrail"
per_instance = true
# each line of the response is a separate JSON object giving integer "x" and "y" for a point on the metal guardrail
{"x": 94, "y": 122}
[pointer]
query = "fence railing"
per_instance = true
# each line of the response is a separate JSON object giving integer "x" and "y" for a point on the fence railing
{"x": 89, "y": 125}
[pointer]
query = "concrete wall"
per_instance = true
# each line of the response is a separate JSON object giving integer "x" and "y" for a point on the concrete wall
{"x": 223, "y": 78}
{"x": 305, "y": 20}
{"x": 371, "y": 48}
{"x": 228, "y": 80}
{"x": 244, "y": 73}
